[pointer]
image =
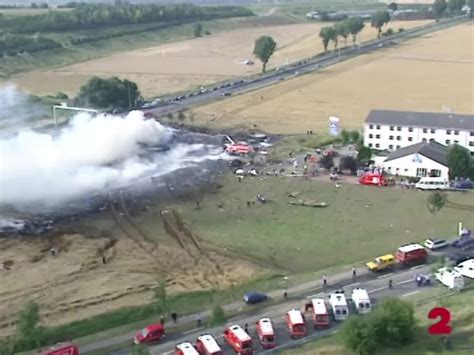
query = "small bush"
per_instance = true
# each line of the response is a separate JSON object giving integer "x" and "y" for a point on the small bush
{"x": 218, "y": 316}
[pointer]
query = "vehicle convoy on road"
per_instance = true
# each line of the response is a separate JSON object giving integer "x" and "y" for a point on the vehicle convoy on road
{"x": 61, "y": 349}
{"x": 239, "y": 340}
{"x": 406, "y": 255}
{"x": 266, "y": 333}
{"x": 338, "y": 304}
{"x": 450, "y": 278}
{"x": 149, "y": 334}
{"x": 466, "y": 268}
{"x": 296, "y": 324}
{"x": 435, "y": 244}
{"x": 185, "y": 349}
{"x": 381, "y": 263}
{"x": 319, "y": 312}
{"x": 207, "y": 345}
{"x": 361, "y": 300}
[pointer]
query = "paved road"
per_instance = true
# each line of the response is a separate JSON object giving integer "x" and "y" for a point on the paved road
{"x": 301, "y": 67}
{"x": 404, "y": 286}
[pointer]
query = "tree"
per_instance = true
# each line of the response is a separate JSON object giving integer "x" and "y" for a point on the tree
{"x": 326, "y": 161}
{"x": 333, "y": 35}
{"x": 342, "y": 29}
{"x": 470, "y": 3}
{"x": 355, "y": 135}
{"x": 364, "y": 154}
{"x": 436, "y": 202}
{"x": 263, "y": 50}
{"x": 459, "y": 162}
{"x": 348, "y": 163}
{"x": 181, "y": 116}
{"x": 197, "y": 29}
{"x": 324, "y": 35}
{"x": 392, "y": 6}
{"x": 355, "y": 24}
{"x": 439, "y": 9}
{"x": 380, "y": 19}
{"x": 108, "y": 93}
{"x": 345, "y": 136}
{"x": 389, "y": 32}
{"x": 455, "y": 7}
{"x": 358, "y": 335}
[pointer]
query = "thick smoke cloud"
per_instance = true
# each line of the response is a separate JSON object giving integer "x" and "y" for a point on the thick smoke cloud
{"x": 89, "y": 155}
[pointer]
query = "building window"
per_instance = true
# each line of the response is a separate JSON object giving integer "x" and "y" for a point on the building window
{"x": 435, "y": 173}
{"x": 420, "y": 172}
{"x": 471, "y": 133}
{"x": 433, "y": 130}
{"x": 398, "y": 147}
{"x": 410, "y": 139}
{"x": 456, "y": 142}
{"x": 432, "y": 140}
{"x": 377, "y": 136}
{"x": 399, "y": 128}
{"x": 399, "y": 138}
{"x": 456, "y": 133}
{"x": 448, "y": 141}
{"x": 371, "y": 135}
{"x": 391, "y": 146}
{"x": 424, "y": 140}
{"x": 371, "y": 126}
{"x": 377, "y": 145}
{"x": 370, "y": 145}
{"x": 410, "y": 129}
{"x": 391, "y": 138}
{"x": 378, "y": 126}
{"x": 392, "y": 128}
{"x": 471, "y": 143}
{"x": 448, "y": 131}
{"x": 425, "y": 130}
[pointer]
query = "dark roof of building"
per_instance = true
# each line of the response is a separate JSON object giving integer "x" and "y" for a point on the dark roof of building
{"x": 432, "y": 150}
{"x": 422, "y": 119}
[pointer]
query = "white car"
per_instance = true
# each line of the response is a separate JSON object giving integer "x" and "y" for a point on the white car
{"x": 466, "y": 268}
{"x": 434, "y": 244}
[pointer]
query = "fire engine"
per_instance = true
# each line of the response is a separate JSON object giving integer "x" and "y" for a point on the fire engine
{"x": 185, "y": 349}
{"x": 239, "y": 340}
{"x": 375, "y": 179}
{"x": 296, "y": 323}
{"x": 207, "y": 345}
{"x": 319, "y": 312}
{"x": 265, "y": 333}
{"x": 61, "y": 349}
{"x": 239, "y": 148}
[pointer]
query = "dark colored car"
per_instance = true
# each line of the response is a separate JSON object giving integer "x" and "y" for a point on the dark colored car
{"x": 460, "y": 257}
{"x": 253, "y": 297}
{"x": 464, "y": 242}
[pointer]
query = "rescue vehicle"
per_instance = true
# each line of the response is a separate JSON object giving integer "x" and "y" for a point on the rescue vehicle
{"x": 240, "y": 148}
{"x": 207, "y": 345}
{"x": 296, "y": 324}
{"x": 374, "y": 179}
{"x": 450, "y": 278}
{"x": 338, "y": 304}
{"x": 149, "y": 334}
{"x": 361, "y": 300}
{"x": 410, "y": 254}
{"x": 61, "y": 349}
{"x": 319, "y": 312}
{"x": 266, "y": 333}
{"x": 185, "y": 349}
{"x": 239, "y": 340}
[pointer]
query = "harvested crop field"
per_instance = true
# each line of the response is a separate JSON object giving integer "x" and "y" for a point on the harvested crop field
{"x": 190, "y": 63}
{"x": 75, "y": 284}
{"x": 423, "y": 74}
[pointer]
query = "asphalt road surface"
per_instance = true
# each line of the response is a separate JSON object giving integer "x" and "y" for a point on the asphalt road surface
{"x": 403, "y": 286}
{"x": 239, "y": 86}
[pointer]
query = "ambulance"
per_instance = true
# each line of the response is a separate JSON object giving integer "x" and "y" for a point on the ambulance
{"x": 239, "y": 340}
{"x": 338, "y": 303}
{"x": 207, "y": 345}
{"x": 296, "y": 324}
{"x": 185, "y": 349}
{"x": 319, "y": 312}
{"x": 361, "y": 300}
{"x": 266, "y": 333}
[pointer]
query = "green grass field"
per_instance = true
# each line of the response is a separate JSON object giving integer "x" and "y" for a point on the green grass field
{"x": 462, "y": 311}
{"x": 359, "y": 223}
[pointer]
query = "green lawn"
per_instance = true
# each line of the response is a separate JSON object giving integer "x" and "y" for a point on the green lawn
{"x": 461, "y": 306}
{"x": 359, "y": 223}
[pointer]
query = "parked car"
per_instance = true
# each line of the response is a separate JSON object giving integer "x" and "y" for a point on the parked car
{"x": 382, "y": 263}
{"x": 149, "y": 334}
{"x": 435, "y": 244}
{"x": 463, "y": 185}
{"x": 460, "y": 257}
{"x": 463, "y": 242}
{"x": 61, "y": 349}
{"x": 225, "y": 93}
{"x": 253, "y": 297}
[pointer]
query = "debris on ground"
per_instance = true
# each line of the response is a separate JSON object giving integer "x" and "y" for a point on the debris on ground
{"x": 308, "y": 203}
{"x": 293, "y": 194}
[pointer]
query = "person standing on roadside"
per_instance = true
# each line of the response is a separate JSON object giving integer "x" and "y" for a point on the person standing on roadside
{"x": 325, "y": 281}
{"x": 354, "y": 273}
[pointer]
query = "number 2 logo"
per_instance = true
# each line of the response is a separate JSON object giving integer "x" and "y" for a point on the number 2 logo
{"x": 441, "y": 327}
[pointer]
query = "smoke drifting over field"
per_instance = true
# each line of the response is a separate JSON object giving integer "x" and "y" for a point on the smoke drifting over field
{"x": 90, "y": 155}
{"x": 17, "y": 107}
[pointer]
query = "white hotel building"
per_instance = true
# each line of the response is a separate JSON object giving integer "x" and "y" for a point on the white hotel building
{"x": 392, "y": 130}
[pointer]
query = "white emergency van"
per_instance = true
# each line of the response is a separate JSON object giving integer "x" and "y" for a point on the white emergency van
{"x": 361, "y": 300}
{"x": 450, "y": 278}
{"x": 466, "y": 268}
{"x": 338, "y": 303}
{"x": 432, "y": 183}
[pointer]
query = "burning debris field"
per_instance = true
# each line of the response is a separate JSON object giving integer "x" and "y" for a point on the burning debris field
{"x": 85, "y": 223}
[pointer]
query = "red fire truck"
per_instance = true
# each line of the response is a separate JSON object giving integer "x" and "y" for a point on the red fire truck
{"x": 266, "y": 333}
{"x": 61, "y": 349}
{"x": 240, "y": 148}
{"x": 207, "y": 345}
{"x": 296, "y": 323}
{"x": 185, "y": 349}
{"x": 374, "y": 179}
{"x": 319, "y": 312}
{"x": 239, "y": 340}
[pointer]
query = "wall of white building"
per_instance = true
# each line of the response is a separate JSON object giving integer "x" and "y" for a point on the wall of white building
{"x": 386, "y": 137}
{"x": 412, "y": 165}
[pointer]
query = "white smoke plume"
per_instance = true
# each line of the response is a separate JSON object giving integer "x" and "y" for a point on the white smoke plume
{"x": 89, "y": 155}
